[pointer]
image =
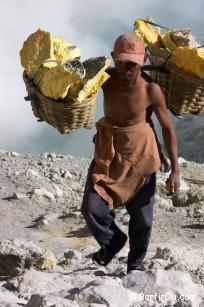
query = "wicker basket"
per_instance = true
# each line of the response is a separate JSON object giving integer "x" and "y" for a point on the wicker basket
{"x": 64, "y": 116}
{"x": 186, "y": 92}
{"x": 161, "y": 76}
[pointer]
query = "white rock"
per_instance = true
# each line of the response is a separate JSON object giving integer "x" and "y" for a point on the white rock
{"x": 33, "y": 173}
{"x": 43, "y": 193}
{"x": 17, "y": 195}
{"x": 183, "y": 258}
{"x": 75, "y": 186}
{"x": 184, "y": 187}
{"x": 182, "y": 161}
{"x": 52, "y": 155}
{"x": 57, "y": 191}
{"x": 67, "y": 175}
{"x": 36, "y": 282}
{"x": 106, "y": 292}
{"x": 169, "y": 283}
{"x": 9, "y": 299}
{"x": 163, "y": 203}
{"x": 43, "y": 220}
{"x": 40, "y": 223}
{"x": 15, "y": 154}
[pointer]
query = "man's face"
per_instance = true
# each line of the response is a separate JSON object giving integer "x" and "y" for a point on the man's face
{"x": 127, "y": 70}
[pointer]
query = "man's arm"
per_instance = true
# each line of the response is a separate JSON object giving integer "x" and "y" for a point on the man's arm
{"x": 168, "y": 131}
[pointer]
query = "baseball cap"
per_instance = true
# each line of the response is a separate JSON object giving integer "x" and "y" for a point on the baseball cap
{"x": 130, "y": 47}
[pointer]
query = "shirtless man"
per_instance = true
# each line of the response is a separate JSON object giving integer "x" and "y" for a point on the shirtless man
{"x": 130, "y": 98}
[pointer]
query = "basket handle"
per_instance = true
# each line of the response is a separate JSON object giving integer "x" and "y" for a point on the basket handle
{"x": 161, "y": 68}
{"x": 155, "y": 24}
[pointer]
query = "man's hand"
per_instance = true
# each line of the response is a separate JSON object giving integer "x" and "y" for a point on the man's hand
{"x": 173, "y": 183}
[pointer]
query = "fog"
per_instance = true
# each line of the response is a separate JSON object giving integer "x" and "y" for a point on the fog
{"x": 93, "y": 26}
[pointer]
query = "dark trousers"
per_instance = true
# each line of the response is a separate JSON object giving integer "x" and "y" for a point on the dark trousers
{"x": 100, "y": 219}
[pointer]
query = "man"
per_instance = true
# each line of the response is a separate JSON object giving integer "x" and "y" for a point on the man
{"x": 127, "y": 156}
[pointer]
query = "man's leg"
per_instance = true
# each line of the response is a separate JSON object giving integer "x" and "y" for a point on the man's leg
{"x": 140, "y": 209}
{"x": 99, "y": 218}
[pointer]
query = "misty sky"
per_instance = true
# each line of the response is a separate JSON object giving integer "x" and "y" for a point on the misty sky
{"x": 93, "y": 26}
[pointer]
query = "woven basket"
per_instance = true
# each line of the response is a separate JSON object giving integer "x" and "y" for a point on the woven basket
{"x": 64, "y": 116}
{"x": 160, "y": 76}
{"x": 186, "y": 92}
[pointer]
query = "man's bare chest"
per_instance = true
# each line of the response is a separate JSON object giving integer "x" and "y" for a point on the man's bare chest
{"x": 132, "y": 100}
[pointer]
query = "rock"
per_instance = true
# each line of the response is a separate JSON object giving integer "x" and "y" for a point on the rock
{"x": 74, "y": 214}
{"x": 52, "y": 155}
{"x": 17, "y": 195}
{"x": 156, "y": 264}
{"x": 15, "y": 154}
{"x": 67, "y": 175}
{"x": 16, "y": 256}
{"x": 180, "y": 199}
{"x": 43, "y": 220}
{"x": 9, "y": 299}
{"x": 72, "y": 254}
{"x": 43, "y": 194}
{"x": 32, "y": 173}
{"x": 183, "y": 162}
{"x": 105, "y": 291}
{"x": 47, "y": 261}
{"x": 50, "y": 300}
{"x": 163, "y": 203}
{"x": 36, "y": 282}
{"x": 75, "y": 186}
{"x": 167, "y": 283}
{"x": 184, "y": 187}
{"x": 70, "y": 257}
{"x": 182, "y": 258}
{"x": 58, "y": 193}
{"x": 198, "y": 212}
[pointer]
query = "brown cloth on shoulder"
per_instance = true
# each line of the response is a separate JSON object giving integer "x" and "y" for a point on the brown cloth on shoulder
{"x": 124, "y": 156}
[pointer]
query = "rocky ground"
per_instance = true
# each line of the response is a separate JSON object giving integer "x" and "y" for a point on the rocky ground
{"x": 46, "y": 247}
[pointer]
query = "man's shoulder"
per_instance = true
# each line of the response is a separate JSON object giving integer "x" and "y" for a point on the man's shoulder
{"x": 111, "y": 72}
{"x": 152, "y": 85}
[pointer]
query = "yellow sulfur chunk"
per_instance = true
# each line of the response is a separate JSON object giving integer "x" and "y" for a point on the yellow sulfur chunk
{"x": 46, "y": 65}
{"x": 64, "y": 50}
{"x": 190, "y": 59}
{"x": 41, "y": 46}
{"x": 37, "y": 48}
{"x": 142, "y": 29}
{"x": 167, "y": 41}
{"x": 56, "y": 79}
{"x": 94, "y": 78}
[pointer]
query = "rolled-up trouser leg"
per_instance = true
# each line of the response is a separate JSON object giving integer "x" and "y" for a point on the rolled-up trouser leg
{"x": 140, "y": 209}
{"x": 98, "y": 216}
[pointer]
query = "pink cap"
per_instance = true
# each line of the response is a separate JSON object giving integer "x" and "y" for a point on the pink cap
{"x": 130, "y": 47}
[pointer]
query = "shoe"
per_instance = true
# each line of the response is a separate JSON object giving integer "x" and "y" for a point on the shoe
{"x": 140, "y": 267}
{"x": 104, "y": 255}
